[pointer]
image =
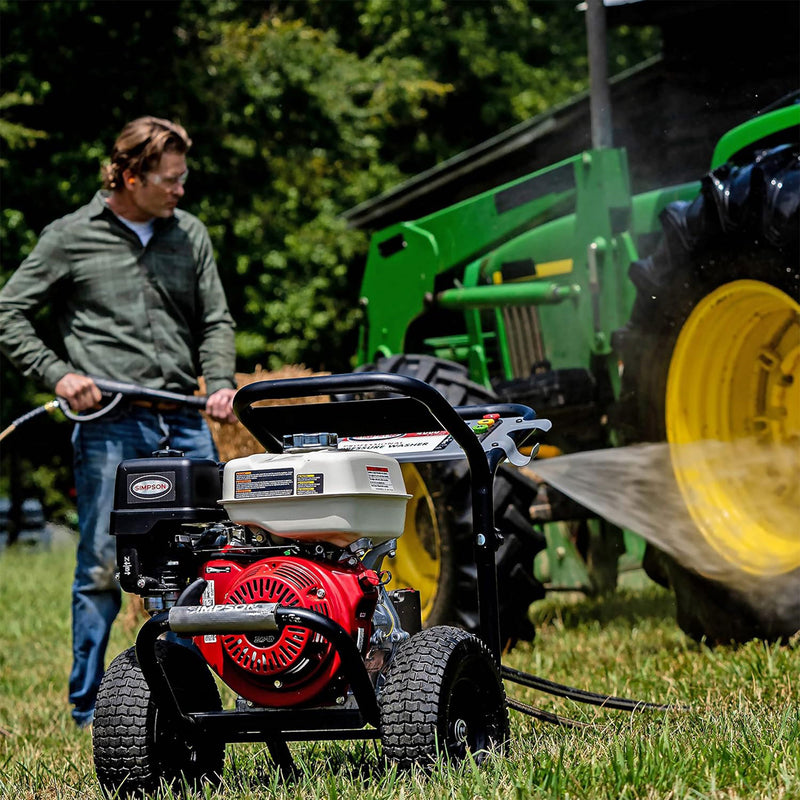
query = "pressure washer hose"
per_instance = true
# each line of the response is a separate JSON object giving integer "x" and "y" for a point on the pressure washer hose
{"x": 48, "y": 408}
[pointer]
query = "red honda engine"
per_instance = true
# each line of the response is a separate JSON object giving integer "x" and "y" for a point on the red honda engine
{"x": 293, "y": 666}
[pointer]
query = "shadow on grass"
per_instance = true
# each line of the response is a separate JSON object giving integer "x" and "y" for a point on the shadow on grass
{"x": 342, "y": 769}
{"x": 623, "y": 606}
{"x": 358, "y": 763}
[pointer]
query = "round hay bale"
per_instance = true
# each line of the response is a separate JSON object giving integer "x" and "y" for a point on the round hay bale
{"x": 233, "y": 440}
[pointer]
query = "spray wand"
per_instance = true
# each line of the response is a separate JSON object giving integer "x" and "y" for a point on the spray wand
{"x": 117, "y": 392}
{"x": 48, "y": 408}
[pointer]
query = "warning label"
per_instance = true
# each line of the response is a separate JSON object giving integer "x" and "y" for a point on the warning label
{"x": 264, "y": 483}
{"x": 380, "y": 479}
{"x": 209, "y": 600}
{"x": 309, "y": 483}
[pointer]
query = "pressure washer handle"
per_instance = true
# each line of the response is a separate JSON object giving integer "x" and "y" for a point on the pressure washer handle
{"x": 437, "y": 406}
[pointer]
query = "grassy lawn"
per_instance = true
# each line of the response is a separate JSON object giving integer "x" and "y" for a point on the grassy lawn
{"x": 740, "y": 738}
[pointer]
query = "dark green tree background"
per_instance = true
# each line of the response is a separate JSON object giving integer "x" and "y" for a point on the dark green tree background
{"x": 298, "y": 111}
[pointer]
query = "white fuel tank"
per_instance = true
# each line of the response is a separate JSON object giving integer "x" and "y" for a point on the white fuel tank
{"x": 318, "y": 493}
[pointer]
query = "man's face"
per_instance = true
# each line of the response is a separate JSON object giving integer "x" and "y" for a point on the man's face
{"x": 157, "y": 193}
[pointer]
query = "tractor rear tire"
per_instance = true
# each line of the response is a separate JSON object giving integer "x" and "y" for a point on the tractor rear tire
{"x": 135, "y": 748}
{"x": 712, "y": 353}
{"x": 435, "y": 553}
{"x": 442, "y": 696}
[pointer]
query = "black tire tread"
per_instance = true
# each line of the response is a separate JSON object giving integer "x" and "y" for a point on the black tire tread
{"x": 412, "y": 700}
{"x": 130, "y": 749}
{"x": 123, "y": 707}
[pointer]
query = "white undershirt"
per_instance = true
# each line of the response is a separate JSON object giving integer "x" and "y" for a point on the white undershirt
{"x": 144, "y": 230}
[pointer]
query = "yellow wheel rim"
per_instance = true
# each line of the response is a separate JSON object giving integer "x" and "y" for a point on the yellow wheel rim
{"x": 418, "y": 560}
{"x": 733, "y": 424}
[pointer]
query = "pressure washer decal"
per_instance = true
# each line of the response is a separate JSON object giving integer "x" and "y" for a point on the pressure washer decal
{"x": 310, "y": 483}
{"x": 264, "y": 483}
{"x": 147, "y": 488}
{"x": 397, "y": 443}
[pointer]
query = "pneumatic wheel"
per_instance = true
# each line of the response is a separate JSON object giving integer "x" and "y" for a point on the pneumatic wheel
{"x": 435, "y": 553}
{"x": 442, "y": 697}
{"x": 135, "y": 748}
{"x": 712, "y": 366}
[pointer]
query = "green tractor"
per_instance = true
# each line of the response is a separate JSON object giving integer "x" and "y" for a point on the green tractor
{"x": 542, "y": 291}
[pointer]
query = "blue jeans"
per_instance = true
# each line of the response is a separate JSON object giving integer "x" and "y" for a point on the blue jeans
{"x": 96, "y": 597}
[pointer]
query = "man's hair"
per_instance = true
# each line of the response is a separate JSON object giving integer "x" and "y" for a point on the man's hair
{"x": 139, "y": 148}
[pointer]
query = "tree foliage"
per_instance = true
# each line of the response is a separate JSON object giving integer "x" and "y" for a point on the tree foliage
{"x": 296, "y": 142}
{"x": 506, "y": 60}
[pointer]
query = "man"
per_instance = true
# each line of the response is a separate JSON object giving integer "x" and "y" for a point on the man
{"x": 133, "y": 288}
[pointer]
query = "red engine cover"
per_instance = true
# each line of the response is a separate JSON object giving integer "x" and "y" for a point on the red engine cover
{"x": 293, "y": 666}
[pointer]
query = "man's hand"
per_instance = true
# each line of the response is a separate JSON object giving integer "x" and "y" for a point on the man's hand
{"x": 79, "y": 391}
{"x": 219, "y": 405}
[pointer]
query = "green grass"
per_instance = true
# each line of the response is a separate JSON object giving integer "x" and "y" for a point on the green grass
{"x": 741, "y": 738}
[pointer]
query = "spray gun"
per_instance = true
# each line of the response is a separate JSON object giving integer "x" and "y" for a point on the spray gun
{"x": 115, "y": 392}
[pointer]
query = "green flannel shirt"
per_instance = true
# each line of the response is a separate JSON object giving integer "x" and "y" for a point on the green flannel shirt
{"x": 155, "y": 316}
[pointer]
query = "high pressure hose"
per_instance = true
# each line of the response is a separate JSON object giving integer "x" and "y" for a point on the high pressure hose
{"x": 48, "y": 408}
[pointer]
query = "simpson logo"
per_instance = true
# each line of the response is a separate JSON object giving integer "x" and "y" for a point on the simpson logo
{"x": 151, "y": 486}
{"x": 144, "y": 488}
